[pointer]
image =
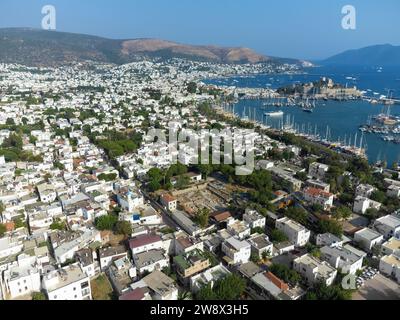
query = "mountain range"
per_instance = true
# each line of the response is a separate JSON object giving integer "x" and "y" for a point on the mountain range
{"x": 35, "y": 47}
{"x": 378, "y": 55}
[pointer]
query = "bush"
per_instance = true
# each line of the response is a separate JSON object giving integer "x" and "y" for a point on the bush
{"x": 107, "y": 222}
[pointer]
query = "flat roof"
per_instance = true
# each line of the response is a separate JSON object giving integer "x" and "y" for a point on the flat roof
{"x": 368, "y": 234}
{"x": 389, "y": 220}
{"x": 65, "y": 277}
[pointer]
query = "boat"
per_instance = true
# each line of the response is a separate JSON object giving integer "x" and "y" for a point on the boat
{"x": 274, "y": 114}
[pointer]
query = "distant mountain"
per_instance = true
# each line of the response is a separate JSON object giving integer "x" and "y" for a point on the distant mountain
{"x": 47, "y": 48}
{"x": 379, "y": 55}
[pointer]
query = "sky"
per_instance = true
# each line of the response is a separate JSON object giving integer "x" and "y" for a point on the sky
{"x": 307, "y": 29}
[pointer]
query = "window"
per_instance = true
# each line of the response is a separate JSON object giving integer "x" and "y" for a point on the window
{"x": 74, "y": 289}
{"x": 19, "y": 290}
{"x": 24, "y": 281}
{"x": 55, "y": 297}
{"x": 26, "y": 288}
{"x": 75, "y": 296}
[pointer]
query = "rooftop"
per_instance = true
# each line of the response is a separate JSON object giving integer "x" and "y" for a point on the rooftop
{"x": 64, "y": 277}
{"x": 368, "y": 234}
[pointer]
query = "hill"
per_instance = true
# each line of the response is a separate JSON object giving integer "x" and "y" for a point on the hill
{"x": 379, "y": 55}
{"x": 47, "y": 48}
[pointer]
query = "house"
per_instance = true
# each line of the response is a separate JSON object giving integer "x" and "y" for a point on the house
{"x": 390, "y": 266}
{"x": 254, "y": 219}
{"x": 220, "y": 218}
{"x": 10, "y": 246}
{"x": 328, "y": 239}
{"x": 129, "y": 199}
{"x": 169, "y": 202}
{"x": 110, "y": 254}
{"x": 151, "y": 260}
{"x": 185, "y": 243}
{"x": 268, "y": 286}
{"x": 393, "y": 191}
{"x": 314, "y": 270}
{"x": 296, "y": 233}
{"x": 145, "y": 242}
{"x": 388, "y": 226}
{"x": 236, "y": 251}
{"x": 318, "y": 170}
{"x": 22, "y": 277}
{"x": 260, "y": 245}
{"x": 239, "y": 229}
{"x": 87, "y": 262}
{"x": 160, "y": 286}
{"x": 283, "y": 247}
{"x": 317, "y": 184}
{"x": 121, "y": 274}
{"x": 392, "y": 246}
{"x": 190, "y": 264}
{"x": 47, "y": 193}
{"x": 209, "y": 276}
{"x": 365, "y": 190}
{"x": 342, "y": 258}
{"x": 362, "y": 204}
{"x": 367, "y": 238}
{"x": 320, "y": 197}
{"x": 68, "y": 283}
{"x": 249, "y": 270}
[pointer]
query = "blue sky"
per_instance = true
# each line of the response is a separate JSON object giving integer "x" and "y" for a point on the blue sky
{"x": 308, "y": 29}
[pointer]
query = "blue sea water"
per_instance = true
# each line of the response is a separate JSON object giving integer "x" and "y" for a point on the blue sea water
{"x": 343, "y": 118}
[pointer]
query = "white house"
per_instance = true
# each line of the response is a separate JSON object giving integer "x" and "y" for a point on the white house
{"x": 318, "y": 196}
{"x": 145, "y": 242}
{"x": 392, "y": 246}
{"x": 390, "y": 266}
{"x": 110, "y": 254}
{"x": 169, "y": 202}
{"x": 151, "y": 260}
{"x": 47, "y": 193}
{"x": 365, "y": 190}
{"x": 68, "y": 283}
{"x": 388, "y": 226}
{"x": 328, "y": 239}
{"x": 22, "y": 278}
{"x": 318, "y": 170}
{"x": 314, "y": 270}
{"x": 261, "y": 245}
{"x": 254, "y": 219}
{"x": 342, "y": 258}
{"x": 236, "y": 251}
{"x": 296, "y": 233}
{"x": 393, "y": 191}
{"x": 238, "y": 228}
{"x": 368, "y": 238}
{"x": 129, "y": 199}
{"x": 362, "y": 204}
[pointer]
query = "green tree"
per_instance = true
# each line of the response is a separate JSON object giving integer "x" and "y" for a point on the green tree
{"x": 285, "y": 273}
{"x": 106, "y": 222}
{"x": 3, "y": 230}
{"x": 38, "y": 296}
{"x": 278, "y": 236}
{"x": 203, "y": 217}
{"x": 331, "y": 226}
{"x": 123, "y": 227}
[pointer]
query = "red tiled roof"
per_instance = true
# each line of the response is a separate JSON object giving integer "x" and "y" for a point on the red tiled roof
{"x": 168, "y": 198}
{"x": 276, "y": 281}
{"x": 317, "y": 192}
{"x": 221, "y": 216}
{"x": 143, "y": 240}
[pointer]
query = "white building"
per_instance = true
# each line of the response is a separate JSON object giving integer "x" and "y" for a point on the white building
{"x": 318, "y": 170}
{"x": 151, "y": 260}
{"x": 236, "y": 251}
{"x": 68, "y": 283}
{"x": 390, "y": 266}
{"x": 239, "y": 229}
{"x": 365, "y": 190}
{"x": 393, "y": 191}
{"x": 318, "y": 196}
{"x": 47, "y": 193}
{"x": 145, "y": 242}
{"x": 368, "y": 238}
{"x": 169, "y": 202}
{"x": 22, "y": 278}
{"x": 388, "y": 226}
{"x": 328, "y": 239}
{"x": 342, "y": 258}
{"x": 296, "y": 233}
{"x": 254, "y": 219}
{"x": 210, "y": 276}
{"x": 314, "y": 270}
{"x": 362, "y": 204}
{"x": 129, "y": 199}
{"x": 392, "y": 246}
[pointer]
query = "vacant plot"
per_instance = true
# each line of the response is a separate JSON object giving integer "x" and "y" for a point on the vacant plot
{"x": 101, "y": 288}
{"x": 379, "y": 288}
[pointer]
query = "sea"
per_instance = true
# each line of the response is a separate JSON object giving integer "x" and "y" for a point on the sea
{"x": 340, "y": 119}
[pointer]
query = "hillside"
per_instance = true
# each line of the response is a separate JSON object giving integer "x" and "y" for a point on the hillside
{"x": 379, "y": 55}
{"x": 47, "y": 48}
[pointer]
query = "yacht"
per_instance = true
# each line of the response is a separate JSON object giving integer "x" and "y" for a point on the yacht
{"x": 274, "y": 114}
